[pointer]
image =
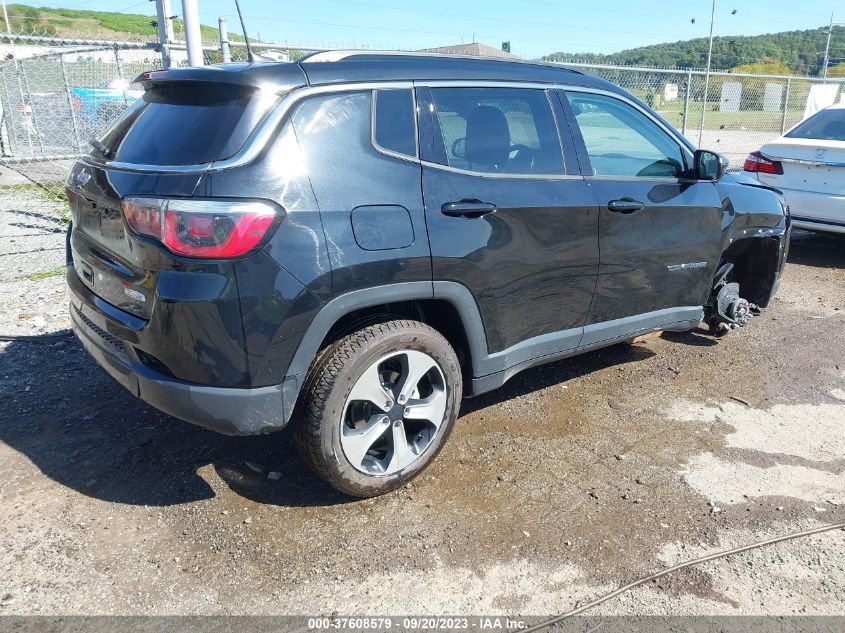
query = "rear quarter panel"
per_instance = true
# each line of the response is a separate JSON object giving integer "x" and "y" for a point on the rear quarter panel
{"x": 347, "y": 173}
{"x": 322, "y": 170}
{"x": 282, "y": 287}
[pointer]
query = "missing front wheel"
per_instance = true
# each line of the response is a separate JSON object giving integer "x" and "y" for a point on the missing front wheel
{"x": 727, "y": 310}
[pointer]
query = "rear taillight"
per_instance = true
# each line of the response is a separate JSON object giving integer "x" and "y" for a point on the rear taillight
{"x": 202, "y": 228}
{"x": 148, "y": 75}
{"x": 144, "y": 215}
{"x": 76, "y": 103}
{"x": 758, "y": 163}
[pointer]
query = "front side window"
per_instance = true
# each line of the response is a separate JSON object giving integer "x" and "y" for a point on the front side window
{"x": 622, "y": 141}
{"x": 393, "y": 122}
{"x": 498, "y": 130}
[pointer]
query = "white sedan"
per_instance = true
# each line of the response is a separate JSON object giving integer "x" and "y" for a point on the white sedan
{"x": 808, "y": 165}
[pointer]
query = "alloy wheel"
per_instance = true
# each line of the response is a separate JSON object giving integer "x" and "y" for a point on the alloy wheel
{"x": 393, "y": 413}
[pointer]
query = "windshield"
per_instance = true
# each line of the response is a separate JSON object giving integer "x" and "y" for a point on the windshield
{"x": 185, "y": 124}
{"x": 827, "y": 125}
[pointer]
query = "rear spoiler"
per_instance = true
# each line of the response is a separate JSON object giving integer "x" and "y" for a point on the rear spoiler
{"x": 277, "y": 77}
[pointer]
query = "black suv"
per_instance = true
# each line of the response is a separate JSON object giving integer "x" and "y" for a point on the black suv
{"x": 355, "y": 241}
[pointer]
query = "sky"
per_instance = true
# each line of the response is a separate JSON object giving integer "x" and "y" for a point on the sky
{"x": 533, "y": 27}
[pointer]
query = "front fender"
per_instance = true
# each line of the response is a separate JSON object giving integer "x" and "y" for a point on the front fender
{"x": 755, "y": 236}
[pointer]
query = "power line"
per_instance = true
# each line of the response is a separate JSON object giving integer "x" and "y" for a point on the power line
{"x": 545, "y": 24}
{"x": 601, "y": 10}
{"x": 132, "y": 6}
{"x": 663, "y": 17}
{"x": 394, "y": 29}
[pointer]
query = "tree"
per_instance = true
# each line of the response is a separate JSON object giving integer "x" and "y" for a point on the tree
{"x": 768, "y": 67}
{"x": 796, "y": 52}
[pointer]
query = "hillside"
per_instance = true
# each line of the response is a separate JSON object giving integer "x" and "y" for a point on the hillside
{"x": 798, "y": 51}
{"x": 103, "y": 24}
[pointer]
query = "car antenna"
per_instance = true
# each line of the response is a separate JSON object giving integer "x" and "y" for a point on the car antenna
{"x": 249, "y": 56}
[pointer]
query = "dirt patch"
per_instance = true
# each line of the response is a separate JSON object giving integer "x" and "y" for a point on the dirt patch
{"x": 572, "y": 479}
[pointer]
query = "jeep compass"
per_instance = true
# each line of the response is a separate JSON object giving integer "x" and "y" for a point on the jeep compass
{"x": 354, "y": 242}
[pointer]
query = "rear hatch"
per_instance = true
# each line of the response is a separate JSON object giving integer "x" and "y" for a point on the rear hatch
{"x": 154, "y": 150}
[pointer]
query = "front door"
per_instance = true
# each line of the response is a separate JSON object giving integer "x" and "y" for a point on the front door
{"x": 505, "y": 216}
{"x": 659, "y": 228}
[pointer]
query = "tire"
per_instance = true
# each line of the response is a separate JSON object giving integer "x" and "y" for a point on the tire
{"x": 337, "y": 416}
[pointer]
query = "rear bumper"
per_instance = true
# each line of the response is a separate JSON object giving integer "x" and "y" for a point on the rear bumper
{"x": 816, "y": 211}
{"x": 810, "y": 224}
{"x": 227, "y": 410}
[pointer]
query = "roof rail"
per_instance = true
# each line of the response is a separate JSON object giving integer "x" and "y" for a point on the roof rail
{"x": 337, "y": 55}
{"x": 326, "y": 56}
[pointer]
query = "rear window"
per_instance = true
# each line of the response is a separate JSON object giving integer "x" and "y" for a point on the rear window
{"x": 186, "y": 124}
{"x": 827, "y": 125}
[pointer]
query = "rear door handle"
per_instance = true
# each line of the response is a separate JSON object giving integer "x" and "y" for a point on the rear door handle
{"x": 467, "y": 208}
{"x": 624, "y": 205}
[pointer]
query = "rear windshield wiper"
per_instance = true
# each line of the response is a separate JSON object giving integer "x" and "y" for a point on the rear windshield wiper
{"x": 101, "y": 147}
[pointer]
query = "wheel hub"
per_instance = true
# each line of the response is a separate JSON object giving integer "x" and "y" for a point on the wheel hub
{"x": 397, "y": 412}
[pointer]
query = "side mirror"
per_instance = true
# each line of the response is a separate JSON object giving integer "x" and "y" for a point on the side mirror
{"x": 709, "y": 165}
{"x": 459, "y": 148}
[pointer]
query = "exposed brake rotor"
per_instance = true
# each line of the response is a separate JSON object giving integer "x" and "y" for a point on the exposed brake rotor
{"x": 731, "y": 310}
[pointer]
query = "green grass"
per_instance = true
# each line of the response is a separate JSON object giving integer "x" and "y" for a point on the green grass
{"x": 44, "y": 274}
{"x": 52, "y": 190}
{"x": 751, "y": 120}
{"x": 80, "y": 21}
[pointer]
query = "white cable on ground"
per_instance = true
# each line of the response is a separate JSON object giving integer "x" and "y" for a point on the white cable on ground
{"x": 669, "y": 570}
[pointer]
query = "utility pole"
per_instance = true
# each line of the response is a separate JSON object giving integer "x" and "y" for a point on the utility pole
{"x": 193, "y": 37}
{"x": 827, "y": 47}
{"x": 707, "y": 74}
{"x": 18, "y": 72}
{"x": 223, "y": 26}
{"x": 165, "y": 29}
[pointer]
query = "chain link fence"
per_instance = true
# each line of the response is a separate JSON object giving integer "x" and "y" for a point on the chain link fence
{"x": 52, "y": 100}
{"x": 57, "y": 93}
{"x": 740, "y": 113}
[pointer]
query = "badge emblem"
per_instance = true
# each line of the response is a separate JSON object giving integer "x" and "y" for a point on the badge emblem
{"x": 80, "y": 179}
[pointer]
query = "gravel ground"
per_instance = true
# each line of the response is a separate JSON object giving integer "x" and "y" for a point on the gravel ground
{"x": 32, "y": 233}
{"x": 571, "y": 480}
{"x": 733, "y": 144}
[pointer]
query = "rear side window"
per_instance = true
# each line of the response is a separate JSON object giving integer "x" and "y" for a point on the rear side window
{"x": 393, "y": 121}
{"x": 186, "y": 124}
{"x": 827, "y": 125}
{"x": 499, "y": 130}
